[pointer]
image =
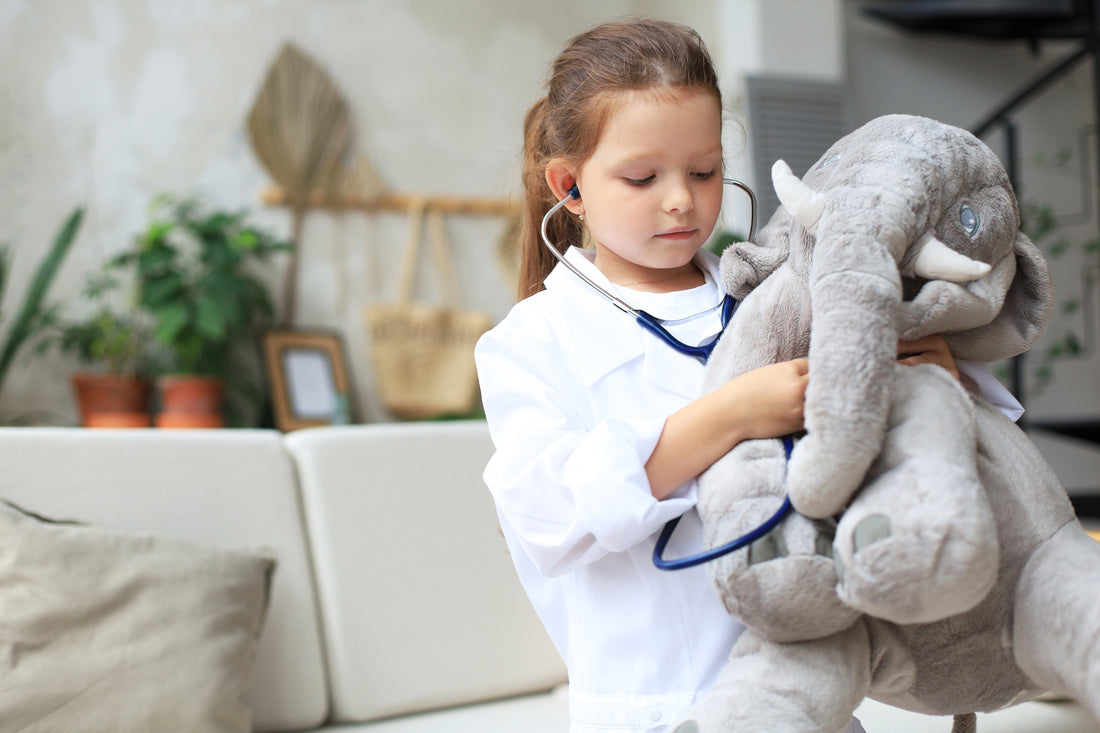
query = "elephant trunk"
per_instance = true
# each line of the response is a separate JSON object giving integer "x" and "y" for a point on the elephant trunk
{"x": 855, "y": 291}
{"x": 856, "y": 295}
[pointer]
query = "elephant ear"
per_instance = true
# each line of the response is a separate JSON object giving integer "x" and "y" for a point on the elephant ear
{"x": 746, "y": 264}
{"x": 1024, "y": 315}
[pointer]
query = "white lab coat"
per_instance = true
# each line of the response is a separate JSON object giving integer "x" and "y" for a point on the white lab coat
{"x": 576, "y": 396}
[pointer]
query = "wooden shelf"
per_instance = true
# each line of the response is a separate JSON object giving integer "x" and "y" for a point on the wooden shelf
{"x": 276, "y": 196}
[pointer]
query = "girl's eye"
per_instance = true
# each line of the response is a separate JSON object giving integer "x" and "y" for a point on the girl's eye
{"x": 639, "y": 181}
{"x": 704, "y": 175}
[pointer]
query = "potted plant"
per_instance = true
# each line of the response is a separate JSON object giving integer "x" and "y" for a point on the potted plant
{"x": 192, "y": 276}
{"x": 121, "y": 343}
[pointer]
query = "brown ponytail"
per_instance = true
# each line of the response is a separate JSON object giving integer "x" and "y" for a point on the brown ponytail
{"x": 587, "y": 81}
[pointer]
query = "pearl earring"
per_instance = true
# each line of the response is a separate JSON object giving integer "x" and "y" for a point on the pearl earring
{"x": 580, "y": 216}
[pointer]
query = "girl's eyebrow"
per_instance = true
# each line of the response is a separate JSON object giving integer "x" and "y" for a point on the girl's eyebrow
{"x": 648, "y": 157}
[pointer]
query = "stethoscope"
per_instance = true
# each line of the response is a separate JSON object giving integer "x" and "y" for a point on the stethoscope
{"x": 645, "y": 320}
{"x": 702, "y": 352}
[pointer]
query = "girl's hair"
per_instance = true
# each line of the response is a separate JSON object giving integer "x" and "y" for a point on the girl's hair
{"x": 586, "y": 82}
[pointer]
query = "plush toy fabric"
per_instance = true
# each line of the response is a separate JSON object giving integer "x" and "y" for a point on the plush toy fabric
{"x": 934, "y": 561}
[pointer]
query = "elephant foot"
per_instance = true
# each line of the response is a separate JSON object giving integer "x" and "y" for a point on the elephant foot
{"x": 908, "y": 574}
{"x": 783, "y": 585}
{"x": 919, "y": 541}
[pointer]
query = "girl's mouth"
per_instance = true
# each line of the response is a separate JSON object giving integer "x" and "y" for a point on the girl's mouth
{"x": 678, "y": 235}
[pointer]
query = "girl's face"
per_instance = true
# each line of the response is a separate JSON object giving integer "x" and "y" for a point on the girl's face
{"x": 652, "y": 190}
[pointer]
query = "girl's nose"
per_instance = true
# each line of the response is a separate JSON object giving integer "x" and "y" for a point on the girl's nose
{"x": 679, "y": 198}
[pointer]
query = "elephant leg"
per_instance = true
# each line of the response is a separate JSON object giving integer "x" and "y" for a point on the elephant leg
{"x": 784, "y": 584}
{"x": 919, "y": 542}
{"x": 803, "y": 687}
{"x": 1056, "y": 629}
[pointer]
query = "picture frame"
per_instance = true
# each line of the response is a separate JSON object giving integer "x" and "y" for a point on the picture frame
{"x": 308, "y": 378}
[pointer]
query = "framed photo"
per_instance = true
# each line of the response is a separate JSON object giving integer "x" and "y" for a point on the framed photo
{"x": 308, "y": 378}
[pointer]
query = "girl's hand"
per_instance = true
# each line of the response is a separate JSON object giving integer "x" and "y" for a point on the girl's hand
{"x": 764, "y": 403}
{"x": 769, "y": 400}
{"x": 928, "y": 350}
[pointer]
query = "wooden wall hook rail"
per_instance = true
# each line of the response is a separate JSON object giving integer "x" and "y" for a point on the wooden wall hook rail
{"x": 276, "y": 196}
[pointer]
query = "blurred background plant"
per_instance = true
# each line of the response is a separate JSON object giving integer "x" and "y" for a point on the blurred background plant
{"x": 1066, "y": 340}
{"x": 120, "y": 340}
{"x": 193, "y": 276}
{"x": 34, "y": 314}
{"x": 1071, "y": 333}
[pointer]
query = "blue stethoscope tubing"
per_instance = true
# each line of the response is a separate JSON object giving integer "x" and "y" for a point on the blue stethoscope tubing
{"x": 702, "y": 352}
{"x": 714, "y": 553}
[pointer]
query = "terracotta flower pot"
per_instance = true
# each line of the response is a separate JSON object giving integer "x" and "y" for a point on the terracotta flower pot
{"x": 189, "y": 401}
{"x": 107, "y": 400}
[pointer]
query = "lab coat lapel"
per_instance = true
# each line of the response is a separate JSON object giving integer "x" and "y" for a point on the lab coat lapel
{"x": 604, "y": 336}
{"x": 664, "y": 366}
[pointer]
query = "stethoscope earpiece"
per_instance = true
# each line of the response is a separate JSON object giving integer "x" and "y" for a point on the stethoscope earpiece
{"x": 574, "y": 192}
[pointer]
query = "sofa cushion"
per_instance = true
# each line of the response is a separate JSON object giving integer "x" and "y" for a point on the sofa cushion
{"x": 419, "y": 599}
{"x": 234, "y": 488}
{"x": 126, "y": 633}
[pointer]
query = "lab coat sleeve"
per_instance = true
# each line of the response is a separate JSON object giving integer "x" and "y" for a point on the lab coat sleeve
{"x": 989, "y": 389}
{"x": 572, "y": 488}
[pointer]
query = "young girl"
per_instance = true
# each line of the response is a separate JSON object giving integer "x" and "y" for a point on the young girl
{"x": 598, "y": 425}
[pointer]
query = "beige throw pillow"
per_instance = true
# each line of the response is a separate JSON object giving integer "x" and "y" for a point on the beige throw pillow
{"x": 102, "y": 631}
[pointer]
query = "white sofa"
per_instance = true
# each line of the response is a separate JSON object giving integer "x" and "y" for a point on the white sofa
{"x": 394, "y": 607}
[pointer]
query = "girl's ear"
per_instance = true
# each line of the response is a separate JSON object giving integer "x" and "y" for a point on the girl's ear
{"x": 560, "y": 178}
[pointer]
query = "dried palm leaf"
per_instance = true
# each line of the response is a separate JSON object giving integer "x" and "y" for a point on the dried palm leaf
{"x": 300, "y": 126}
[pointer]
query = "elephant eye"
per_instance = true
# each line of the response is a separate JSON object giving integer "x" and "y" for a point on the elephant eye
{"x": 828, "y": 161}
{"x": 969, "y": 220}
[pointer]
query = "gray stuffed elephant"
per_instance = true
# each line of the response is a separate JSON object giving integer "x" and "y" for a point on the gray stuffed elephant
{"x": 933, "y": 561}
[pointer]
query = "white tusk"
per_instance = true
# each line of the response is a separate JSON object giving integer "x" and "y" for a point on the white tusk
{"x": 937, "y": 261}
{"x": 804, "y": 203}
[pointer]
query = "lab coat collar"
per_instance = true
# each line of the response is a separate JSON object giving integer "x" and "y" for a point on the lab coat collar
{"x": 611, "y": 338}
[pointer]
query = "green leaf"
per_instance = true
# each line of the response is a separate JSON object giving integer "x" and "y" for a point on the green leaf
{"x": 1059, "y": 247}
{"x": 21, "y": 327}
{"x": 156, "y": 233}
{"x": 1073, "y": 344}
{"x": 155, "y": 258}
{"x": 5, "y": 267}
{"x": 160, "y": 291}
{"x": 247, "y": 240}
{"x": 210, "y": 318}
{"x": 170, "y": 321}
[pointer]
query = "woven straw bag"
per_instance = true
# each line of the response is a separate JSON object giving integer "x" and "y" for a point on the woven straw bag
{"x": 423, "y": 354}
